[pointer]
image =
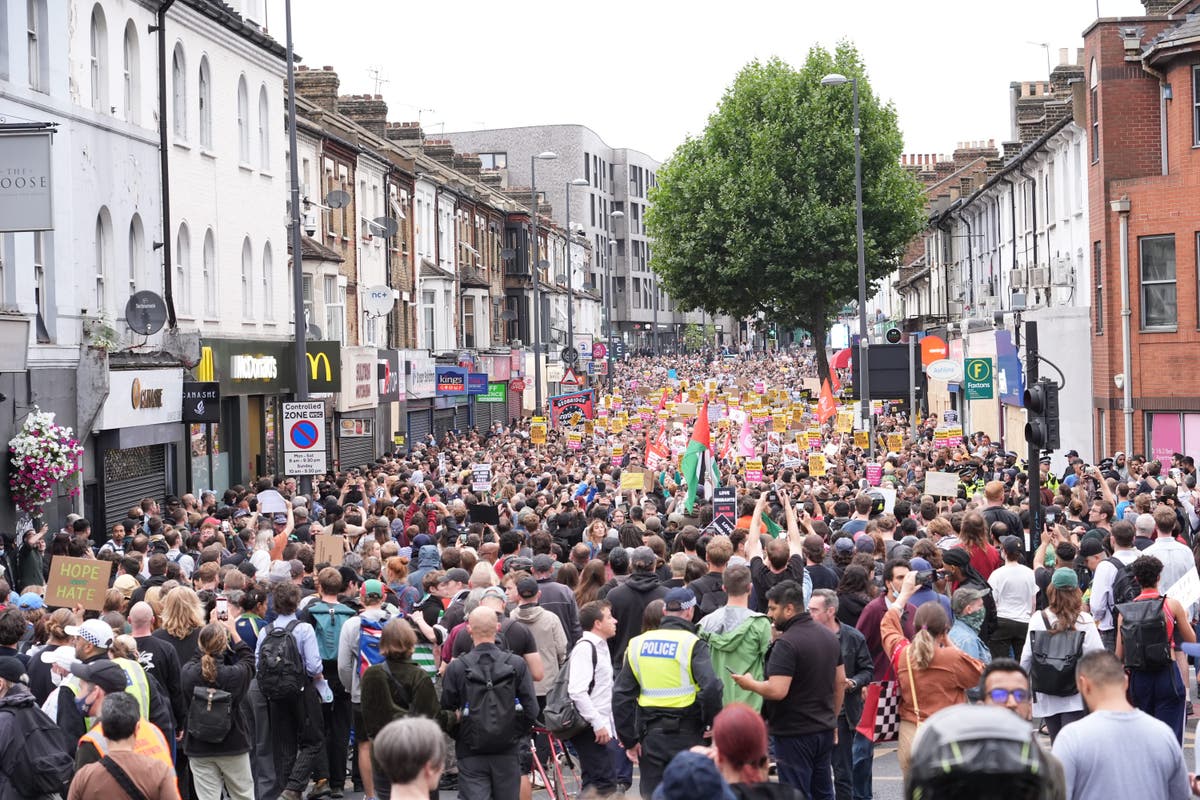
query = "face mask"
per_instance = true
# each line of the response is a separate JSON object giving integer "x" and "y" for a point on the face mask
{"x": 56, "y": 679}
{"x": 974, "y": 620}
{"x": 82, "y": 703}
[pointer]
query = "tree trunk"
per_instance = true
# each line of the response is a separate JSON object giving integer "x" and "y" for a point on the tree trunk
{"x": 818, "y": 325}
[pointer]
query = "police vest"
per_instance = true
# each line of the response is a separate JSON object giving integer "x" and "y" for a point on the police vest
{"x": 661, "y": 661}
{"x": 139, "y": 684}
{"x": 975, "y": 486}
{"x": 148, "y": 740}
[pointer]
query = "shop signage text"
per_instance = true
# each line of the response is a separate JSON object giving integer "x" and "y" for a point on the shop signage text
{"x": 253, "y": 368}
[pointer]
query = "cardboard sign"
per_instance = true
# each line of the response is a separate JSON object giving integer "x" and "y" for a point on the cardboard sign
{"x": 330, "y": 549}
{"x": 618, "y": 454}
{"x": 537, "y": 431}
{"x": 481, "y": 477}
{"x": 816, "y": 465}
{"x": 685, "y": 410}
{"x": 754, "y": 470}
{"x": 78, "y": 581}
{"x": 941, "y": 484}
{"x": 1187, "y": 589}
{"x": 632, "y": 481}
{"x": 845, "y": 422}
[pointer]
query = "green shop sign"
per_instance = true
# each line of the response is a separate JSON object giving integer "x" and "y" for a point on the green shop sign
{"x": 496, "y": 393}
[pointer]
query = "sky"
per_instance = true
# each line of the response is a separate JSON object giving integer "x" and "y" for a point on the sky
{"x": 645, "y": 74}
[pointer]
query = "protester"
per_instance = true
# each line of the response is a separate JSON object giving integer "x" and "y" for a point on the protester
{"x": 410, "y": 753}
{"x": 124, "y": 769}
{"x": 590, "y": 687}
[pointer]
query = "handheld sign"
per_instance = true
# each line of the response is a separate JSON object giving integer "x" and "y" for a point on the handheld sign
{"x": 632, "y": 480}
{"x": 77, "y": 581}
{"x": 941, "y": 484}
{"x": 331, "y": 549}
{"x": 816, "y": 465}
{"x": 481, "y": 477}
{"x": 754, "y": 470}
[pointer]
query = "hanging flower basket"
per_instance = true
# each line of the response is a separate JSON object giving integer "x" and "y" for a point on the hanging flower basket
{"x": 41, "y": 455}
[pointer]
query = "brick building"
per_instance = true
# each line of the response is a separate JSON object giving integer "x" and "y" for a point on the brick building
{"x": 1143, "y": 128}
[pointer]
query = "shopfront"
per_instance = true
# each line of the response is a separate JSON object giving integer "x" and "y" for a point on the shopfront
{"x": 355, "y": 406}
{"x": 389, "y": 416}
{"x": 451, "y": 406}
{"x": 421, "y": 385}
{"x": 137, "y": 439}
{"x": 492, "y": 405}
{"x": 253, "y": 377}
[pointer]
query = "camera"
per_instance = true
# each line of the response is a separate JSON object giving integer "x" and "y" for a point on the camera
{"x": 772, "y": 496}
{"x": 925, "y": 577}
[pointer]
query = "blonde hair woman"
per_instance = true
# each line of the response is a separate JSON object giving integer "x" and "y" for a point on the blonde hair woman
{"x": 933, "y": 673}
{"x": 182, "y": 618}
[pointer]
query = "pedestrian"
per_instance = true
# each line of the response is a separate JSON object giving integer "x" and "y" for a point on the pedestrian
{"x": 410, "y": 753}
{"x": 1112, "y": 583}
{"x": 1005, "y": 683}
{"x": 125, "y": 769}
{"x": 666, "y": 694}
{"x": 967, "y": 605}
{"x": 37, "y": 761}
{"x": 739, "y": 748}
{"x": 358, "y": 648}
{"x": 737, "y": 637}
{"x": 97, "y": 680}
{"x": 1015, "y": 591}
{"x": 590, "y": 687}
{"x": 629, "y": 600}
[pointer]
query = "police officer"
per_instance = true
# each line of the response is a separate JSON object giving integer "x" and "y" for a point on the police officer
{"x": 667, "y": 693}
{"x": 1049, "y": 479}
{"x": 969, "y": 481}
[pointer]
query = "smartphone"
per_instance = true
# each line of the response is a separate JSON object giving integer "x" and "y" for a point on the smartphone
{"x": 731, "y": 672}
{"x": 222, "y": 608}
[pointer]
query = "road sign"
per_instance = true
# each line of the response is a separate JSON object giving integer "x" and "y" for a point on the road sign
{"x": 599, "y": 350}
{"x": 304, "y": 438}
{"x": 516, "y": 385}
{"x": 978, "y": 378}
{"x": 893, "y": 335}
{"x": 569, "y": 355}
{"x": 583, "y": 344}
{"x": 571, "y": 378}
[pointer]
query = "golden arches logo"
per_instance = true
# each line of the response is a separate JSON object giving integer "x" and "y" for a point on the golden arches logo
{"x": 314, "y": 363}
{"x": 204, "y": 370}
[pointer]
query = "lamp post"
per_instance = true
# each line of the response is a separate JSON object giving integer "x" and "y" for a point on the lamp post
{"x": 571, "y": 266}
{"x": 864, "y": 373}
{"x": 615, "y": 215}
{"x": 537, "y": 288}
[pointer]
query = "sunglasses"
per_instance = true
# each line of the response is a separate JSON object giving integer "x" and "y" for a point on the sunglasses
{"x": 1000, "y": 696}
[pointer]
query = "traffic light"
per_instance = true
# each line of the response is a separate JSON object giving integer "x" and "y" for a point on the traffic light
{"x": 1041, "y": 406}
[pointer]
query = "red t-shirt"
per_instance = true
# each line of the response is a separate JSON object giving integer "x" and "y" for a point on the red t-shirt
{"x": 985, "y": 560}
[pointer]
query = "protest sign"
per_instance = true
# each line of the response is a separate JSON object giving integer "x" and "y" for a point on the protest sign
{"x": 816, "y": 465}
{"x": 754, "y": 470}
{"x": 618, "y": 454}
{"x": 874, "y": 474}
{"x": 941, "y": 484}
{"x": 330, "y": 549}
{"x": 861, "y": 439}
{"x": 77, "y": 581}
{"x": 632, "y": 480}
{"x": 537, "y": 431}
{"x": 895, "y": 442}
{"x": 481, "y": 477}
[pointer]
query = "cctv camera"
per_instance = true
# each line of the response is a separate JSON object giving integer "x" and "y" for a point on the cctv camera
{"x": 310, "y": 230}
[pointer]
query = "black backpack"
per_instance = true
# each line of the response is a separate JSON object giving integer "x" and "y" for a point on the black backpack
{"x": 1144, "y": 633}
{"x": 1125, "y": 587}
{"x": 493, "y": 720}
{"x": 36, "y": 759}
{"x": 281, "y": 673}
{"x": 210, "y": 715}
{"x": 1055, "y": 656}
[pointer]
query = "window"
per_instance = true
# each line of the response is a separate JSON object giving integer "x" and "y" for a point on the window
{"x": 264, "y": 131}
{"x": 183, "y": 270}
{"x": 1196, "y": 105}
{"x": 103, "y": 258}
{"x": 1098, "y": 282}
{"x": 306, "y": 283}
{"x": 39, "y": 286}
{"x": 335, "y": 309}
{"x": 205, "y": 104}
{"x": 4, "y": 40}
{"x": 132, "y": 74}
{"x": 268, "y": 283}
{"x": 587, "y": 166}
{"x": 468, "y": 321}
{"x": 137, "y": 253}
{"x": 243, "y": 121}
{"x": 1094, "y": 101}
{"x": 210, "y": 274}
{"x": 179, "y": 93}
{"x": 493, "y": 160}
{"x": 99, "y": 60}
{"x": 247, "y": 279}
{"x": 1156, "y": 263}
{"x": 39, "y": 56}
{"x": 427, "y": 301}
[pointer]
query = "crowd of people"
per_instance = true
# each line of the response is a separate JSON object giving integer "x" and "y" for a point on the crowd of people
{"x": 396, "y": 629}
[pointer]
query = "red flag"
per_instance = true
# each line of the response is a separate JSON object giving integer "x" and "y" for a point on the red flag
{"x": 833, "y": 377}
{"x": 826, "y": 408}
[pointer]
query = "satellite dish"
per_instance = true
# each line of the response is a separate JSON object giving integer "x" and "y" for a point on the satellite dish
{"x": 508, "y": 316}
{"x": 388, "y": 225}
{"x": 145, "y": 313}
{"x": 508, "y": 254}
{"x": 314, "y": 333}
{"x": 378, "y": 300}
{"x": 337, "y": 199}
{"x": 560, "y": 278}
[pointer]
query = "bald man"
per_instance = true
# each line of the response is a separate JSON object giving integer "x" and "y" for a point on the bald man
{"x": 158, "y": 658}
{"x": 484, "y": 733}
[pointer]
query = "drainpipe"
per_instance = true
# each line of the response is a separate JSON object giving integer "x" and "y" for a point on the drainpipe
{"x": 1033, "y": 207}
{"x": 163, "y": 160}
{"x": 1121, "y": 207}
{"x": 970, "y": 255}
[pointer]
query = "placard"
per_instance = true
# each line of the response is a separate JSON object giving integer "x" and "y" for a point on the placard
{"x": 1187, "y": 589}
{"x": 632, "y": 480}
{"x": 754, "y": 470}
{"x": 941, "y": 484}
{"x": 330, "y": 549}
{"x": 78, "y": 581}
{"x": 845, "y": 422}
{"x": 895, "y": 442}
{"x": 618, "y": 454}
{"x": 862, "y": 439}
{"x": 725, "y": 501}
{"x": 816, "y": 465}
{"x": 481, "y": 477}
{"x": 874, "y": 474}
{"x": 537, "y": 430}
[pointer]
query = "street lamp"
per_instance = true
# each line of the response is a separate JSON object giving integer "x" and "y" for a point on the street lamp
{"x": 537, "y": 289}
{"x": 615, "y": 215}
{"x": 834, "y": 79}
{"x": 571, "y": 266}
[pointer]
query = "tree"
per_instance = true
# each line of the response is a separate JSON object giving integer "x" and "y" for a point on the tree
{"x": 696, "y": 337}
{"x": 757, "y": 214}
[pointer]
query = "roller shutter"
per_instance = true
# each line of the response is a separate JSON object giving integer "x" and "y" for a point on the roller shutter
{"x": 462, "y": 417}
{"x": 354, "y": 451}
{"x": 420, "y": 425}
{"x": 129, "y": 476}
{"x": 443, "y": 421}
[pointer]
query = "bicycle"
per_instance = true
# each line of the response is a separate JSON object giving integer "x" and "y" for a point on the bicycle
{"x": 554, "y": 783}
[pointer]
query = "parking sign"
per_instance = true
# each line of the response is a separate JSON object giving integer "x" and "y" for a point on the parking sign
{"x": 304, "y": 438}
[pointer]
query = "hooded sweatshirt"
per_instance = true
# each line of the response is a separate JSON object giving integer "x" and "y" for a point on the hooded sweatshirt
{"x": 737, "y": 641}
{"x": 428, "y": 560}
{"x": 551, "y": 640}
{"x": 629, "y": 601}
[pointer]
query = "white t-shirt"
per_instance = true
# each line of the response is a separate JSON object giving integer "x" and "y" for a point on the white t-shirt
{"x": 1014, "y": 588}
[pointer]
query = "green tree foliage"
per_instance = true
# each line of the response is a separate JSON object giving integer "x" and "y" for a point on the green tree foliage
{"x": 757, "y": 214}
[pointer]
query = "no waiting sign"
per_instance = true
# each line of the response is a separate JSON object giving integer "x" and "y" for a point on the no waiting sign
{"x": 304, "y": 438}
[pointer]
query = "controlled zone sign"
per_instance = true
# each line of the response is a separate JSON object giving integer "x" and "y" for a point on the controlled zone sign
{"x": 304, "y": 438}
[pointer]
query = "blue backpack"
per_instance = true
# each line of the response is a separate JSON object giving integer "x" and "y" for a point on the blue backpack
{"x": 369, "y": 633}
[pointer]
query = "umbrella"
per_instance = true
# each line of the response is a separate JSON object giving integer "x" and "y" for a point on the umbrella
{"x": 841, "y": 360}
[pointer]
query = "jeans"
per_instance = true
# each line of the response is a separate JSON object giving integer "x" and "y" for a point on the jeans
{"x": 843, "y": 761}
{"x": 262, "y": 757}
{"x": 1056, "y": 722}
{"x": 1161, "y": 694}
{"x": 1109, "y": 637}
{"x": 621, "y": 763}
{"x": 596, "y": 763}
{"x": 297, "y": 738}
{"x": 805, "y": 762}
{"x": 864, "y": 767}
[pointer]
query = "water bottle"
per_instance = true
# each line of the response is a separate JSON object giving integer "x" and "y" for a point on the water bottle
{"x": 323, "y": 690}
{"x": 466, "y": 709}
{"x": 519, "y": 707}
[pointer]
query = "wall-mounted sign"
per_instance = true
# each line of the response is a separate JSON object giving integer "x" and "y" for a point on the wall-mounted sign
{"x": 253, "y": 368}
{"x": 324, "y": 365}
{"x": 477, "y": 383}
{"x": 26, "y": 201}
{"x": 360, "y": 382}
{"x": 421, "y": 375}
{"x": 141, "y": 397}
{"x": 246, "y": 367}
{"x": 391, "y": 376}
{"x": 355, "y": 428}
{"x": 496, "y": 393}
{"x": 304, "y": 438}
{"x": 201, "y": 401}
{"x": 451, "y": 380}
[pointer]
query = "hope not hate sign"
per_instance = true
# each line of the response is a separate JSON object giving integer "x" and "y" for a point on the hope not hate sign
{"x": 77, "y": 581}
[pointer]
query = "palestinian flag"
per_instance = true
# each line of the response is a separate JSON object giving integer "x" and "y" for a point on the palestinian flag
{"x": 698, "y": 465}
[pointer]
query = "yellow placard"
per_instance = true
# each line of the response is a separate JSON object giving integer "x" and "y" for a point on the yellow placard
{"x": 779, "y": 422}
{"x": 845, "y": 421}
{"x": 894, "y": 442}
{"x": 632, "y": 481}
{"x": 537, "y": 433}
{"x": 816, "y": 465}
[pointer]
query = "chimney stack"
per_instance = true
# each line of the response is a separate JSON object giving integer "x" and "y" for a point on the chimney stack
{"x": 318, "y": 86}
{"x": 367, "y": 110}
{"x": 1155, "y": 8}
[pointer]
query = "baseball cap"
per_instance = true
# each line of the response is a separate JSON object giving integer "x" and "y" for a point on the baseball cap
{"x": 543, "y": 563}
{"x": 280, "y": 519}
{"x": 126, "y": 585}
{"x": 966, "y": 595}
{"x": 63, "y": 656}
{"x": 457, "y": 574}
{"x": 1090, "y": 547}
{"x": 280, "y": 571}
{"x": 12, "y": 670}
{"x": 420, "y": 540}
{"x": 844, "y": 545}
{"x": 349, "y": 576}
{"x": 527, "y": 588}
{"x": 919, "y": 564}
{"x": 92, "y": 631}
{"x": 30, "y": 601}
{"x": 497, "y": 592}
{"x": 1064, "y": 578}
{"x": 642, "y": 556}
{"x": 679, "y": 599}
{"x": 372, "y": 588}
{"x": 106, "y": 674}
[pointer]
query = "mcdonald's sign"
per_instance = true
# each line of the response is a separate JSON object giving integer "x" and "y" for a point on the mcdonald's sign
{"x": 204, "y": 370}
{"x": 324, "y": 367}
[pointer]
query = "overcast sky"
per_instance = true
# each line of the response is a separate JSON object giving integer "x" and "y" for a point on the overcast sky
{"x": 647, "y": 73}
